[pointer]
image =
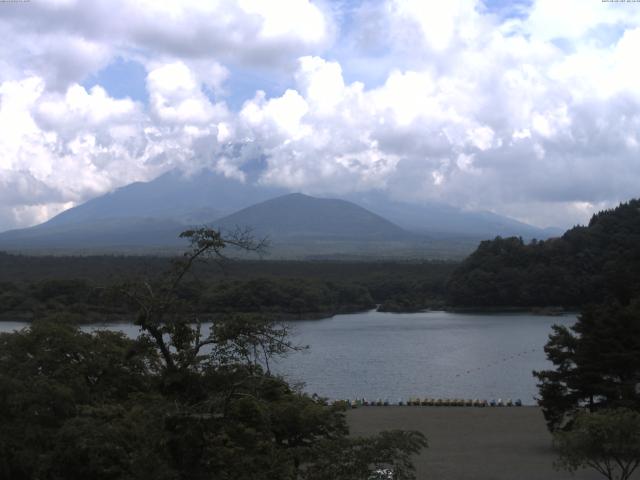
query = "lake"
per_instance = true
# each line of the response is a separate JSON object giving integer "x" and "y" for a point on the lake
{"x": 396, "y": 356}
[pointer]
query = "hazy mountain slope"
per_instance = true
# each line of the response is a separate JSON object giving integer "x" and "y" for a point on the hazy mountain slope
{"x": 117, "y": 233}
{"x": 205, "y": 196}
{"x": 295, "y": 223}
{"x": 438, "y": 219}
{"x": 188, "y": 199}
{"x": 152, "y": 214}
{"x": 140, "y": 214}
{"x": 301, "y": 216}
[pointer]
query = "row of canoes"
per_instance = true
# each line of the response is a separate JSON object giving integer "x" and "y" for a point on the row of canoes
{"x": 430, "y": 402}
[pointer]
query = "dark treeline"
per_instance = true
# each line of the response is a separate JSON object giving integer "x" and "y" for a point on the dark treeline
{"x": 176, "y": 402}
{"x": 589, "y": 264}
{"x": 86, "y": 286}
{"x": 596, "y": 363}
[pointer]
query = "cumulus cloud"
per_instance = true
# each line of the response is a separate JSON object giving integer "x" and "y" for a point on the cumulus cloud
{"x": 58, "y": 149}
{"x": 585, "y": 22}
{"x": 176, "y": 96}
{"x": 534, "y": 115}
{"x": 73, "y": 143}
{"x": 63, "y": 41}
{"x": 493, "y": 118}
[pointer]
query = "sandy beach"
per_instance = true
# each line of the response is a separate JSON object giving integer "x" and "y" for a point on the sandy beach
{"x": 466, "y": 443}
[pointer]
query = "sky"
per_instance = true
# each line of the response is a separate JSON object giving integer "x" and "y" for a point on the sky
{"x": 529, "y": 108}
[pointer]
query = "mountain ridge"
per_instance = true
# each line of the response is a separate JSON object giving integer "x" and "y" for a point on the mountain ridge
{"x": 152, "y": 214}
{"x": 296, "y": 220}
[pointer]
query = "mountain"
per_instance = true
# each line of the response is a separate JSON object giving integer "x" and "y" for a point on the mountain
{"x": 205, "y": 196}
{"x": 149, "y": 215}
{"x": 298, "y": 216}
{"x": 441, "y": 220}
{"x": 108, "y": 234}
{"x": 296, "y": 224}
{"x": 196, "y": 198}
{"x": 140, "y": 216}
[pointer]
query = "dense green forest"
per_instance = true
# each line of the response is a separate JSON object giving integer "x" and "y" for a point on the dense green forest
{"x": 587, "y": 264}
{"x": 86, "y": 286}
{"x": 176, "y": 402}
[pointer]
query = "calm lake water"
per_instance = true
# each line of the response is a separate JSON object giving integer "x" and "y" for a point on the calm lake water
{"x": 396, "y": 356}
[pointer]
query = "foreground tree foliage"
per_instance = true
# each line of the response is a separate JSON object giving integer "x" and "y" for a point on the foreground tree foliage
{"x": 607, "y": 441}
{"x": 596, "y": 364}
{"x": 179, "y": 402}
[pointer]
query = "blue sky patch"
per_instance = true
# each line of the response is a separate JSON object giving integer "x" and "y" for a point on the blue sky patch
{"x": 508, "y": 8}
{"x": 121, "y": 78}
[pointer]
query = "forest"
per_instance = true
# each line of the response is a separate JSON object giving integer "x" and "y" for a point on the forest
{"x": 588, "y": 264}
{"x": 84, "y": 286}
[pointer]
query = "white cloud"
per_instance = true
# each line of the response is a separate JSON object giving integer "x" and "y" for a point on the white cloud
{"x": 321, "y": 83}
{"x": 577, "y": 19}
{"x": 437, "y": 24}
{"x": 310, "y": 25}
{"x": 176, "y": 96}
{"x": 62, "y": 42}
{"x": 224, "y": 166}
{"x": 81, "y": 109}
{"x": 492, "y": 124}
{"x": 425, "y": 100}
{"x": 278, "y": 119}
{"x": 61, "y": 148}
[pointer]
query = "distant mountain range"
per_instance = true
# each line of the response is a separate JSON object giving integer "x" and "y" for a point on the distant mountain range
{"x": 198, "y": 198}
{"x": 442, "y": 220}
{"x": 149, "y": 216}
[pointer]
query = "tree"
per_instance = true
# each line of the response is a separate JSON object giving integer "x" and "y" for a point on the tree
{"x": 587, "y": 264}
{"x": 597, "y": 364}
{"x": 607, "y": 441}
{"x": 159, "y": 314}
{"x": 56, "y": 384}
{"x": 178, "y": 402}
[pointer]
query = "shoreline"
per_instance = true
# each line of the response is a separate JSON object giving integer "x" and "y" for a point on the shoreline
{"x": 549, "y": 311}
{"x": 119, "y": 318}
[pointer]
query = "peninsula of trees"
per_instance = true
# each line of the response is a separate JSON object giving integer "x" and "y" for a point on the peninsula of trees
{"x": 588, "y": 264}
